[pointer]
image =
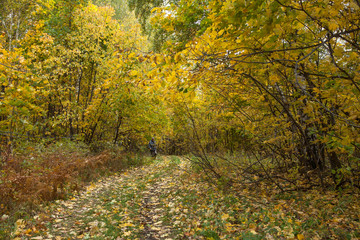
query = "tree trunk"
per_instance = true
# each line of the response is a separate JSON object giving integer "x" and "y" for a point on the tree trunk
{"x": 118, "y": 129}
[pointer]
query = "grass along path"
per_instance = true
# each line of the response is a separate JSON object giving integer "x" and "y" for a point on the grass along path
{"x": 168, "y": 200}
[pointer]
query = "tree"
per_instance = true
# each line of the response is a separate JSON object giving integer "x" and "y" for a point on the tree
{"x": 279, "y": 67}
{"x": 16, "y": 19}
{"x": 122, "y": 12}
{"x": 76, "y": 74}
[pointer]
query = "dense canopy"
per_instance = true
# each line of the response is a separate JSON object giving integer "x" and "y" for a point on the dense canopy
{"x": 269, "y": 89}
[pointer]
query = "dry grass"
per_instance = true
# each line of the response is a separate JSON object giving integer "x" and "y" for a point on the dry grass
{"x": 31, "y": 177}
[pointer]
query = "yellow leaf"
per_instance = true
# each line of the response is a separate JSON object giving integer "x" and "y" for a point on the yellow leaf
{"x": 127, "y": 224}
{"x": 131, "y": 55}
{"x": 253, "y": 231}
{"x": 252, "y": 226}
{"x": 20, "y": 223}
{"x": 333, "y": 25}
{"x": 133, "y": 73}
{"x": 177, "y": 57}
{"x": 300, "y": 236}
{"x": 224, "y": 217}
{"x": 229, "y": 227}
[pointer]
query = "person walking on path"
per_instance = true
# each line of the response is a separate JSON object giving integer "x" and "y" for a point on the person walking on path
{"x": 152, "y": 147}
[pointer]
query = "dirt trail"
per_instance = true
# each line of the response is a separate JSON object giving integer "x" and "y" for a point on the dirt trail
{"x": 170, "y": 200}
{"x": 124, "y": 206}
{"x": 152, "y": 211}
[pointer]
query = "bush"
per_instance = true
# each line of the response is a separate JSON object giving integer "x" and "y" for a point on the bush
{"x": 34, "y": 174}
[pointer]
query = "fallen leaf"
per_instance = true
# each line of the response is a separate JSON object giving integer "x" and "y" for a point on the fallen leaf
{"x": 300, "y": 236}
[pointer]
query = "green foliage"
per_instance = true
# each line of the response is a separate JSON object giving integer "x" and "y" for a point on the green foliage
{"x": 190, "y": 19}
{"x": 122, "y": 12}
{"x": 61, "y": 17}
{"x": 209, "y": 234}
{"x": 176, "y": 160}
{"x": 143, "y": 10}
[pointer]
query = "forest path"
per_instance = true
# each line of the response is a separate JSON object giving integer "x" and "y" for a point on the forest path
{"x": 165, "y": 200}
{"x": 129, "y": 205}
{"x": 169, "y": 199}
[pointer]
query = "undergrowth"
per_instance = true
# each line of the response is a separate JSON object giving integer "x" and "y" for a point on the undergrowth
{"x": 34, "y": 174}
{"x": 171, "y": 199}
{"x": 297, "y": 205}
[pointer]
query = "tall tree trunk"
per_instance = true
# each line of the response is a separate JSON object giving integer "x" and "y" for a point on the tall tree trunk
{"x": 117, "y": 129}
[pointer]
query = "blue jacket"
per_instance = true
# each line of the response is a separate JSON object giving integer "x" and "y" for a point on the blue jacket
{"x": 152, "y": 145}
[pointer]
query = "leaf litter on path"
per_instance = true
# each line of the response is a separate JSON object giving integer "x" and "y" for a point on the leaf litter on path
{"x": 168, "y": 200}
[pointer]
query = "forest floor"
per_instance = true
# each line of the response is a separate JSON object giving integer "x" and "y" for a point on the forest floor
{"x": 169, "y": 200}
